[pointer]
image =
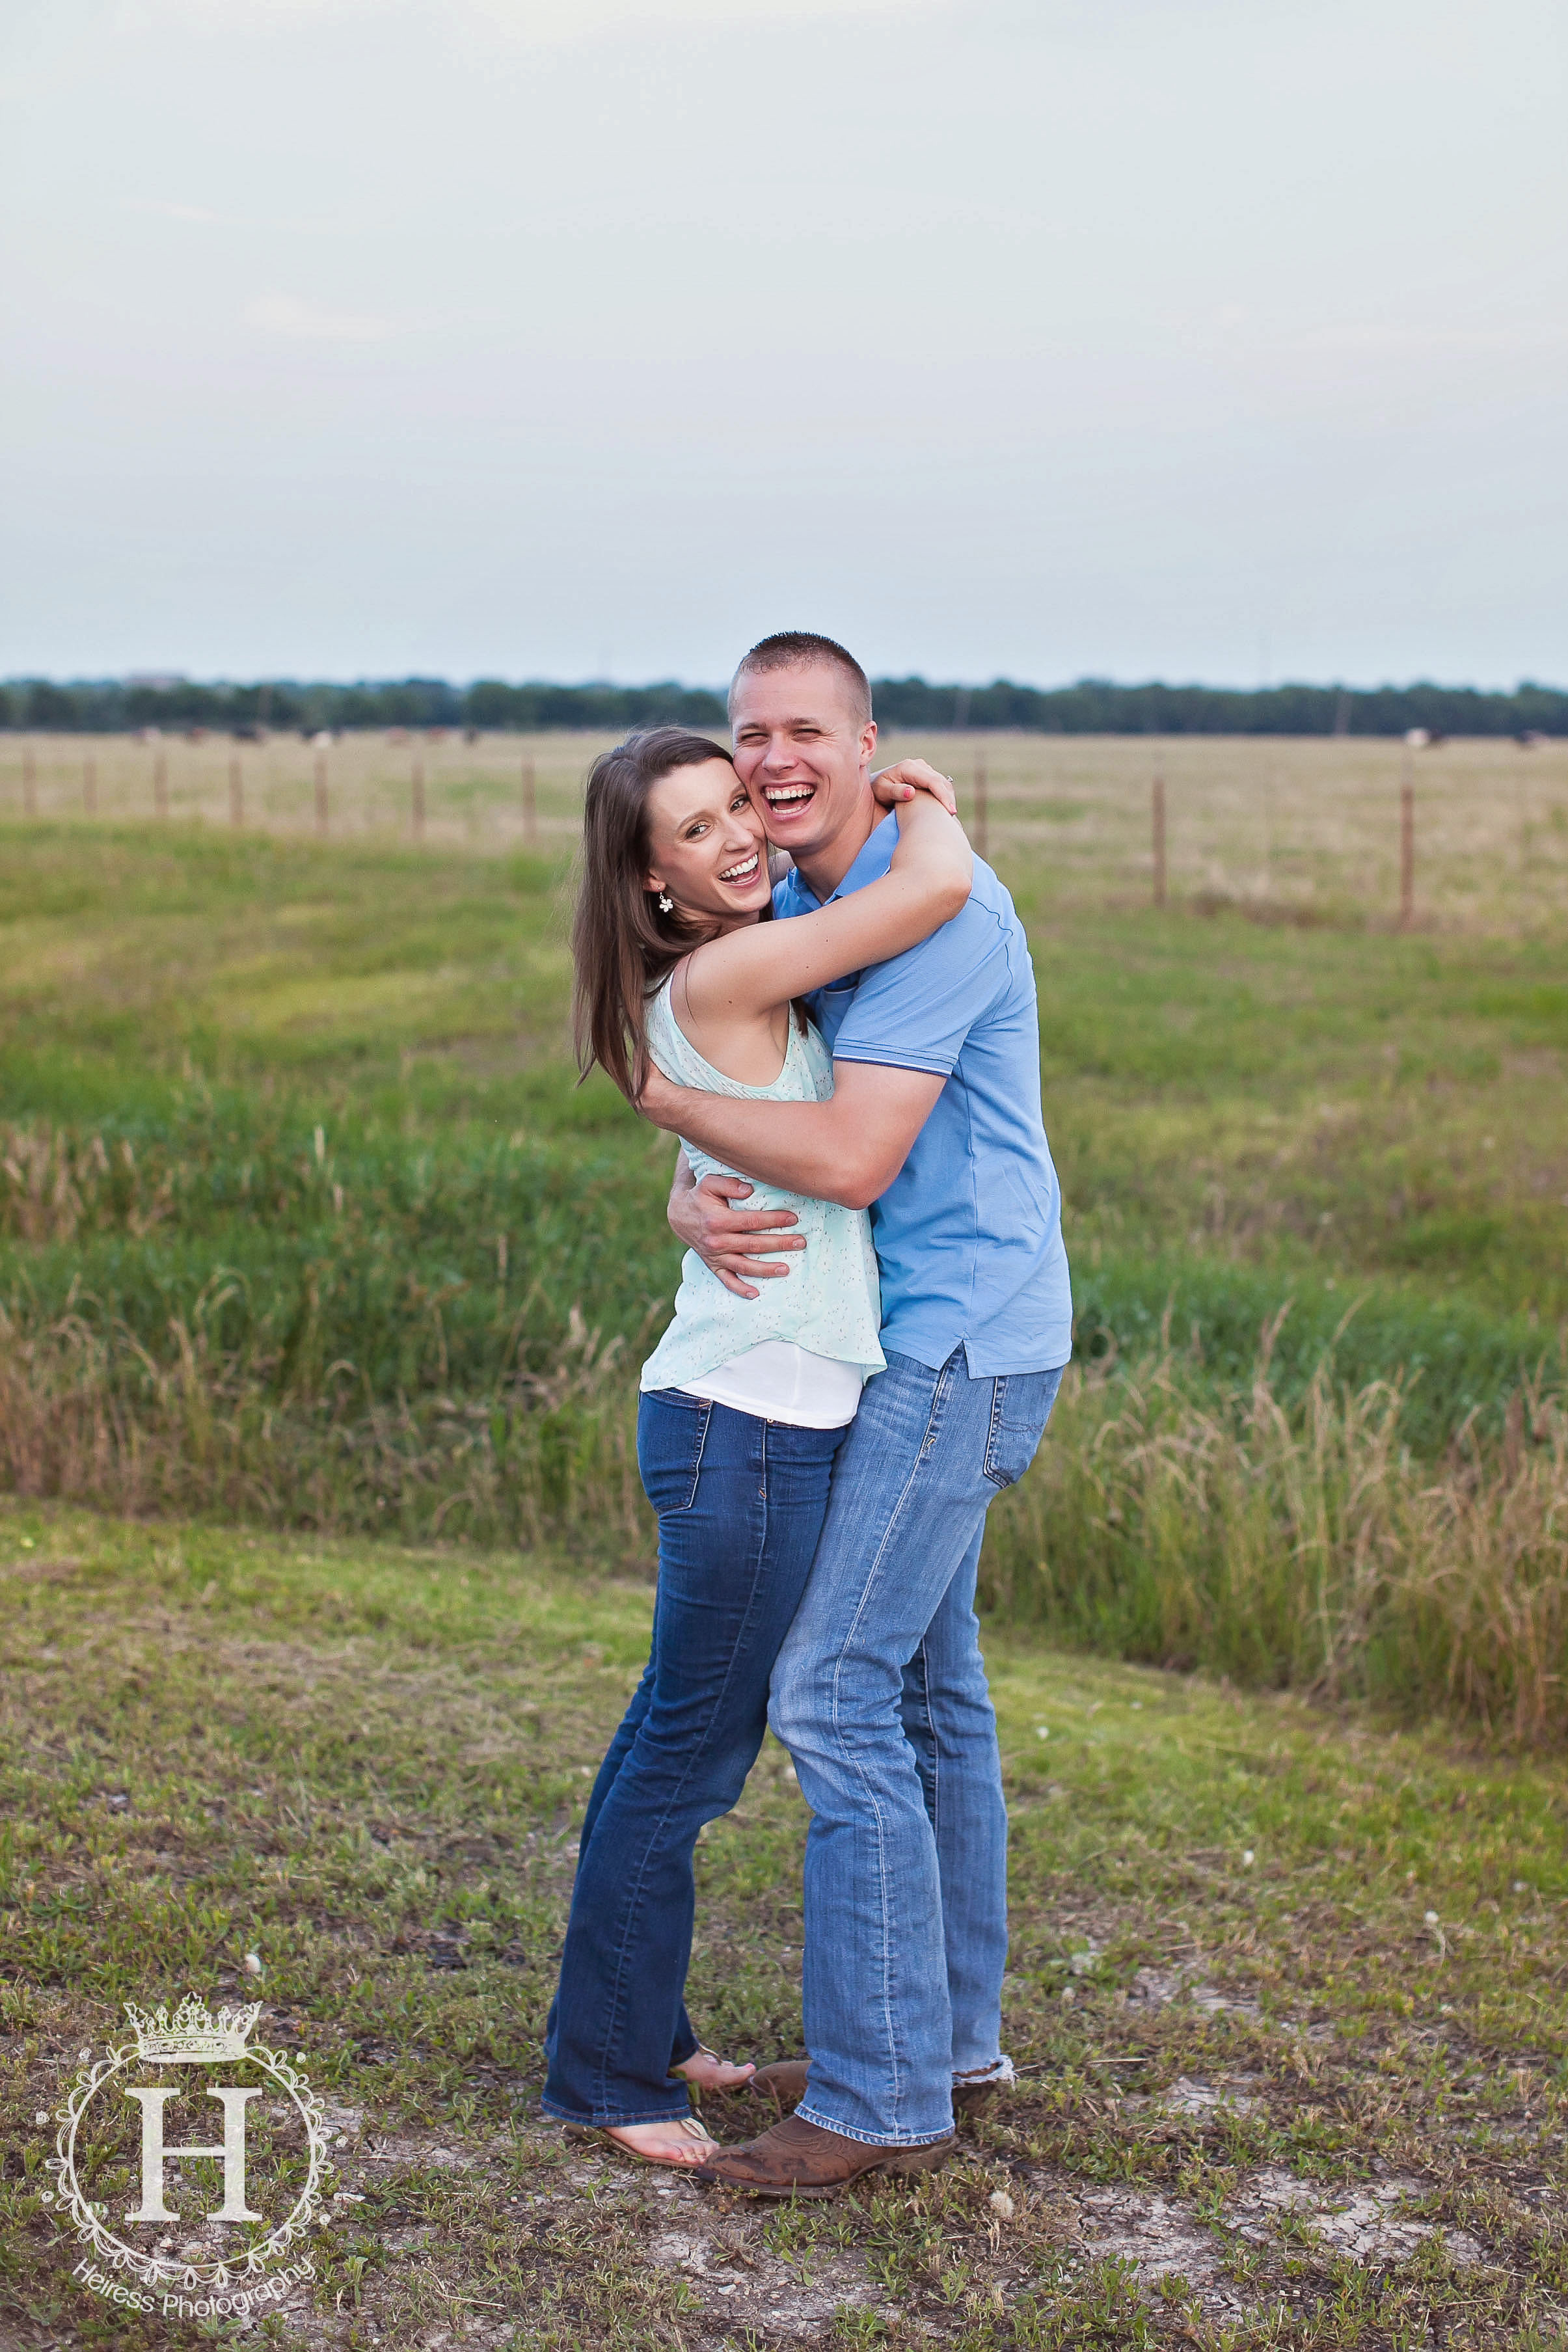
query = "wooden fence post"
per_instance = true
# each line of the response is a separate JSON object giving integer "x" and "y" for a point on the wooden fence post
{"x": 1270, "y": 804}
{"x": 530, "y": 805}
{"x": 29, "y": 781}
{"x": 418, "y": 798}
{"x": 160, "y": 783}
{"x": 1406, "y": 849}
{"x": 982, "y": 806}
{"x": 236, "y": 792}
{"x": 1157, "y": 798}
{"x": 90, "y": 786}
{"x": 321, "y": 796}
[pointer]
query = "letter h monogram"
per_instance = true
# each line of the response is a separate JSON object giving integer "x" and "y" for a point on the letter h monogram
{"x": 154, "y": 2155}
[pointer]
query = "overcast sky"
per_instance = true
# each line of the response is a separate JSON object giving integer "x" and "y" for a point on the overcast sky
{"x": 570, "y": 338}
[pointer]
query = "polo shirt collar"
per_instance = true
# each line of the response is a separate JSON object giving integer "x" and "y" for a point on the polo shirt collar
{"x": 871, "y": 862}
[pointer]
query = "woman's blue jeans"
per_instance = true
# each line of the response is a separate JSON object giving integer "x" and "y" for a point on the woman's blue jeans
{"x": 741, "y": 1502}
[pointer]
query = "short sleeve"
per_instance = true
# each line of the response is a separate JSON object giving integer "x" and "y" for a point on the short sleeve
{"x": 915, "y": 1012}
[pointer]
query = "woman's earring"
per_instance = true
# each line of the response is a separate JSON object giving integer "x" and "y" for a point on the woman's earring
{"x": 666, "y": 903}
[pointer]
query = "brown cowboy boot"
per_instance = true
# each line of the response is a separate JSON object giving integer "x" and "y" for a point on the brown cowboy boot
{"x": 795, "y": 2158}
{"x": 784, "y": 2083}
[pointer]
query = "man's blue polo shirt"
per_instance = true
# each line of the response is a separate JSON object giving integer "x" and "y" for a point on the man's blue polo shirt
{"x": 969, "y": 1234}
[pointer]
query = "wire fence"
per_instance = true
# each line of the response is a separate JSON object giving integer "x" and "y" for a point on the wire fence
{"x": 1472, "y": 833}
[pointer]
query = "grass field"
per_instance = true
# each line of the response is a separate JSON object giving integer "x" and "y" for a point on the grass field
{"x": 303, "y": 1218}
{"x": 1286, "y": 1991}
{"x": 325, "y": 1288}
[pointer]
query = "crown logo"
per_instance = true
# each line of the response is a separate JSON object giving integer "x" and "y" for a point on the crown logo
{"x": 192, "y": 2035}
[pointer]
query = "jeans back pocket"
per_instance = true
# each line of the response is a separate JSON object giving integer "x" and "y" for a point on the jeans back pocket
{"x": 1020, "y": 1407}
{"x": 672, "y": 1429}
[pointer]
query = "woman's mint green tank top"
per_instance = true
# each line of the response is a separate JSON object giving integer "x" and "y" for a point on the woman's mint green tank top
{"x": 829, "y": 1300}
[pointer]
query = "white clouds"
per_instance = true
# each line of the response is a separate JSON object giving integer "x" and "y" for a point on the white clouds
{"x": 308, "y": 322}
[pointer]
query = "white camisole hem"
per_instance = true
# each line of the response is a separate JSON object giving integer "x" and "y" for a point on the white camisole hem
{"x": 778, "y": 1381}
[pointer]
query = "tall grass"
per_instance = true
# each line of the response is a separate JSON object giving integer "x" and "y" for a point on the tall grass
{"x": 370, "y": 1338}
{"x": 1307, "y": 1548}
{"x": 246, "y": 1320}
{"x": 87, "y": 1413}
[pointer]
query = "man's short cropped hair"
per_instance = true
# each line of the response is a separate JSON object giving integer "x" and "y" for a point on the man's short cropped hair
{"x": 800, "y": 649}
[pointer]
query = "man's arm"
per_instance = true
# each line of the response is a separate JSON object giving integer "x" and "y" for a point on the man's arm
{"x": 846, "y": 1149}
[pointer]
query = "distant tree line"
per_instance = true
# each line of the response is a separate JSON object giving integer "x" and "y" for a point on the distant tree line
{"x": 1091, "y": 706}
{"x": 111, "y": 706}
{"x": 1094, "y": 705}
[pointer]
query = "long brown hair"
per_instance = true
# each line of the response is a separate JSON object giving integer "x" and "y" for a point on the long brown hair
{"x": 623, "y": 944}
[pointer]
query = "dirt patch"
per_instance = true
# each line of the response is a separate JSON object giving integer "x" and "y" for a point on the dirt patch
{"x": 1163, "y": 1988}
{"x": 1159, "y": 2236}
{"x": 1363, "y": 2222}
{"x": 1162, "y": 2237}
{"x": 733, "y": 2276}
{"x": 1187, "y": 2097}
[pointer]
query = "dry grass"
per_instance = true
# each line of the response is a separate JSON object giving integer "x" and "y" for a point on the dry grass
{"x": 473, "y": 793}
{"x": 1296, "y": 830}
{"x": 1301, "y": 830}
{"x": 89, "y": 1411}
{"x": 1165, "y": 1521}
{"x": 1309, "y": 1549}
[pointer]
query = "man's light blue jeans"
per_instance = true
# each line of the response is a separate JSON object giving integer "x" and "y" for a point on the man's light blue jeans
{"x": 880, "y": 1694}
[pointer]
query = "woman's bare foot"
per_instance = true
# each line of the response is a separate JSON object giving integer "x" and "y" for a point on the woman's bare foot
{"x": 682, "y": 2143}
{"x": 708, "y": 2072}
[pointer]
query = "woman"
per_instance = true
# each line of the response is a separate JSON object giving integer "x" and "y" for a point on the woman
{"x": 745, "y": 1402}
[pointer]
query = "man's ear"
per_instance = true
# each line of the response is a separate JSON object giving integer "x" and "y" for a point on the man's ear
{"x": 868, "y": 742}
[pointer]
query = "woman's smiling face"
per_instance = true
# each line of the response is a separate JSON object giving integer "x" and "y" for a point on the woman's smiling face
{"x": 707, "y": 849}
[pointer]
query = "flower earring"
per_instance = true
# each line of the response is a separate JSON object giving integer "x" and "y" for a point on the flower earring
{"x": 666, "y": 903}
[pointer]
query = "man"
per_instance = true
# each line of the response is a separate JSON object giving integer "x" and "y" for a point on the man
{"x": 880, "y": 1692}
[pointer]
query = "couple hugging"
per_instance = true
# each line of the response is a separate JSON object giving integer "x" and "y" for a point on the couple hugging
{"x": 819, "y": 1432}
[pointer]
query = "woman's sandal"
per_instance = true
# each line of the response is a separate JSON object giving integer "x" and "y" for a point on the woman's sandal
{"x": 686, "y": 2127}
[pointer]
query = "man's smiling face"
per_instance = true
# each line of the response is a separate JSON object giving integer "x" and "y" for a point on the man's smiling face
{"x": 803, "y": 753}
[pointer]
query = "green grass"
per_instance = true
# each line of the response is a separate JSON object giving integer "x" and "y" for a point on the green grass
{"x": 1285, "y": 1986}
{"x": 303, "y": 1219}
{"x": 1344, "y": 1106}
{"x": 311, "y": 1249}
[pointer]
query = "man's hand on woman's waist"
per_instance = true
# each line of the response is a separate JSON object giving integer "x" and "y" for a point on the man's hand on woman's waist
{"x": 724, "y": 1238}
